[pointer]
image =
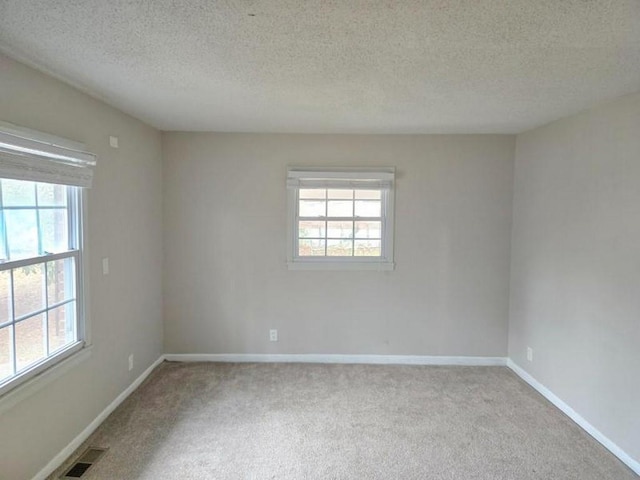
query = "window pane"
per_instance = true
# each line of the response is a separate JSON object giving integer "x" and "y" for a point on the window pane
{"x": 308, "y": 229}
{"x": 30, "y": 346}
{"x": 35, "y": 218}
{"x": 340, "y": 229}
{"x": 18, "y": 193}
{"x": 61, "y": 280}
{"x": 371, "y": 229}
{"x": 367, "y": 248}
{"x": 340, "y": 208}
{"x": 340, "y": 194}
{"x": 6, "y": 357}
{"x": 339, "y": 248}
{"x": 4, "y": 251}
{"x": 312, "y": 193}
{"x": 28, "y": 289}
{"x": 54, "y": 231}
{"x": 310, "y": 248}
{"x": 62, "y": 326}
{"x": 5, "y": 296}
{"x": 50, "y": 195}
{"x": 368, "y": 194}
{"x": 368, "y": 208}
{"x": 312, "y": 208}
{"x": 22, "y": 233}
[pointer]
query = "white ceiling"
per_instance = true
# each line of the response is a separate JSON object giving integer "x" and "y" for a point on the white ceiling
{"x": 346, "y": 66}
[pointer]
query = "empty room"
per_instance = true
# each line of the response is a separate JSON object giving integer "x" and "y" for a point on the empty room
{"x": 318, "y": 239}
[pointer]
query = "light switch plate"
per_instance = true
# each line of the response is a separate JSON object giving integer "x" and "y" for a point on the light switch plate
{"x": 105, "y": 266}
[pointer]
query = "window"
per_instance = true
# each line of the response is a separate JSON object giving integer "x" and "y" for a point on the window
{"x": 41, "y": 281}
{"x": 340, "y": 219}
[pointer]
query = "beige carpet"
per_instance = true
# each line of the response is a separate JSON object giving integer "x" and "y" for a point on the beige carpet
{"x": 306, "y": 421}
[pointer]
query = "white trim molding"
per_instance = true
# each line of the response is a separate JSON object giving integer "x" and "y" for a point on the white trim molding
{"x": 335, "y": 358}
{"x": 328, "y": 265}
{"x": 354, "y": 180}
{"x": 67, "y": 451}
{"x": 575, "y": 416}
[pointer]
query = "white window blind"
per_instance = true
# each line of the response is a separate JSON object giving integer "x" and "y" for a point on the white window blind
{"x": 373, "y": 180}
{"x": 29, "y": 159}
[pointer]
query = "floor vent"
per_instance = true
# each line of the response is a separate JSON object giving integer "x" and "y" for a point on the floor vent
{"x": 84, "y": 463}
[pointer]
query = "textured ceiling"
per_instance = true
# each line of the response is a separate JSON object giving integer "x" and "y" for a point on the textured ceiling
{"x": 364, "y": 66}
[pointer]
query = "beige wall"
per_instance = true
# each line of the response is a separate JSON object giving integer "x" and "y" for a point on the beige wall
{"x": 226, "y": 280}
{"x": 125, "y": 210}
{"x": 576, "y": 265}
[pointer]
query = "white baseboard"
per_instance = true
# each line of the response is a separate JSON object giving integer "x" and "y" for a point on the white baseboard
{"x": 61, "y": 457}
{"x": 576, "y": 417}
{"x": 336, "y": 358}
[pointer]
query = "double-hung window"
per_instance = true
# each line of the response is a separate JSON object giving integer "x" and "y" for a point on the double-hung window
{"x": 340, "y": 218}
{"x": 41, "y": 282}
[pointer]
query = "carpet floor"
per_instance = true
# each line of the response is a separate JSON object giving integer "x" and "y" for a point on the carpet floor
{"x": 219, "y": 421}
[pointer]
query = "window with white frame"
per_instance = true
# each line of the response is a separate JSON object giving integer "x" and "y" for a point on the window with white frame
{"x": 41, "y": 242}
{"x": 340, "y": 218}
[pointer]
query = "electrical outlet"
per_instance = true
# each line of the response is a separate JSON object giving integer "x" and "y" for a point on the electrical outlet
{"x": 131, "y": 362}
{"x": 273, "y": 335}
{"x": 113, "y": 141}
{"x": 530, "y": 354}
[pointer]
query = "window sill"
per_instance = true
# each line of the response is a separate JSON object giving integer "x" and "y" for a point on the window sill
{"x": 327, "y": 265}
{"x": 31, "y": 386}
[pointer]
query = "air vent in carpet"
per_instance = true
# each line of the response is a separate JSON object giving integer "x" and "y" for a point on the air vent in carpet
{"x": 77, "y": 470}
{"x": 85, "y": 462}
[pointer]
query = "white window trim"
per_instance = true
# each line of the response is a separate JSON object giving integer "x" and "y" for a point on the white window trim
{"x": 300, "y": 177}
{"x": 36, "y": 377}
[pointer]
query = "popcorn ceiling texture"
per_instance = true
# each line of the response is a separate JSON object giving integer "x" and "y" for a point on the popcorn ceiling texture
{"x": 356, "y": 66}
